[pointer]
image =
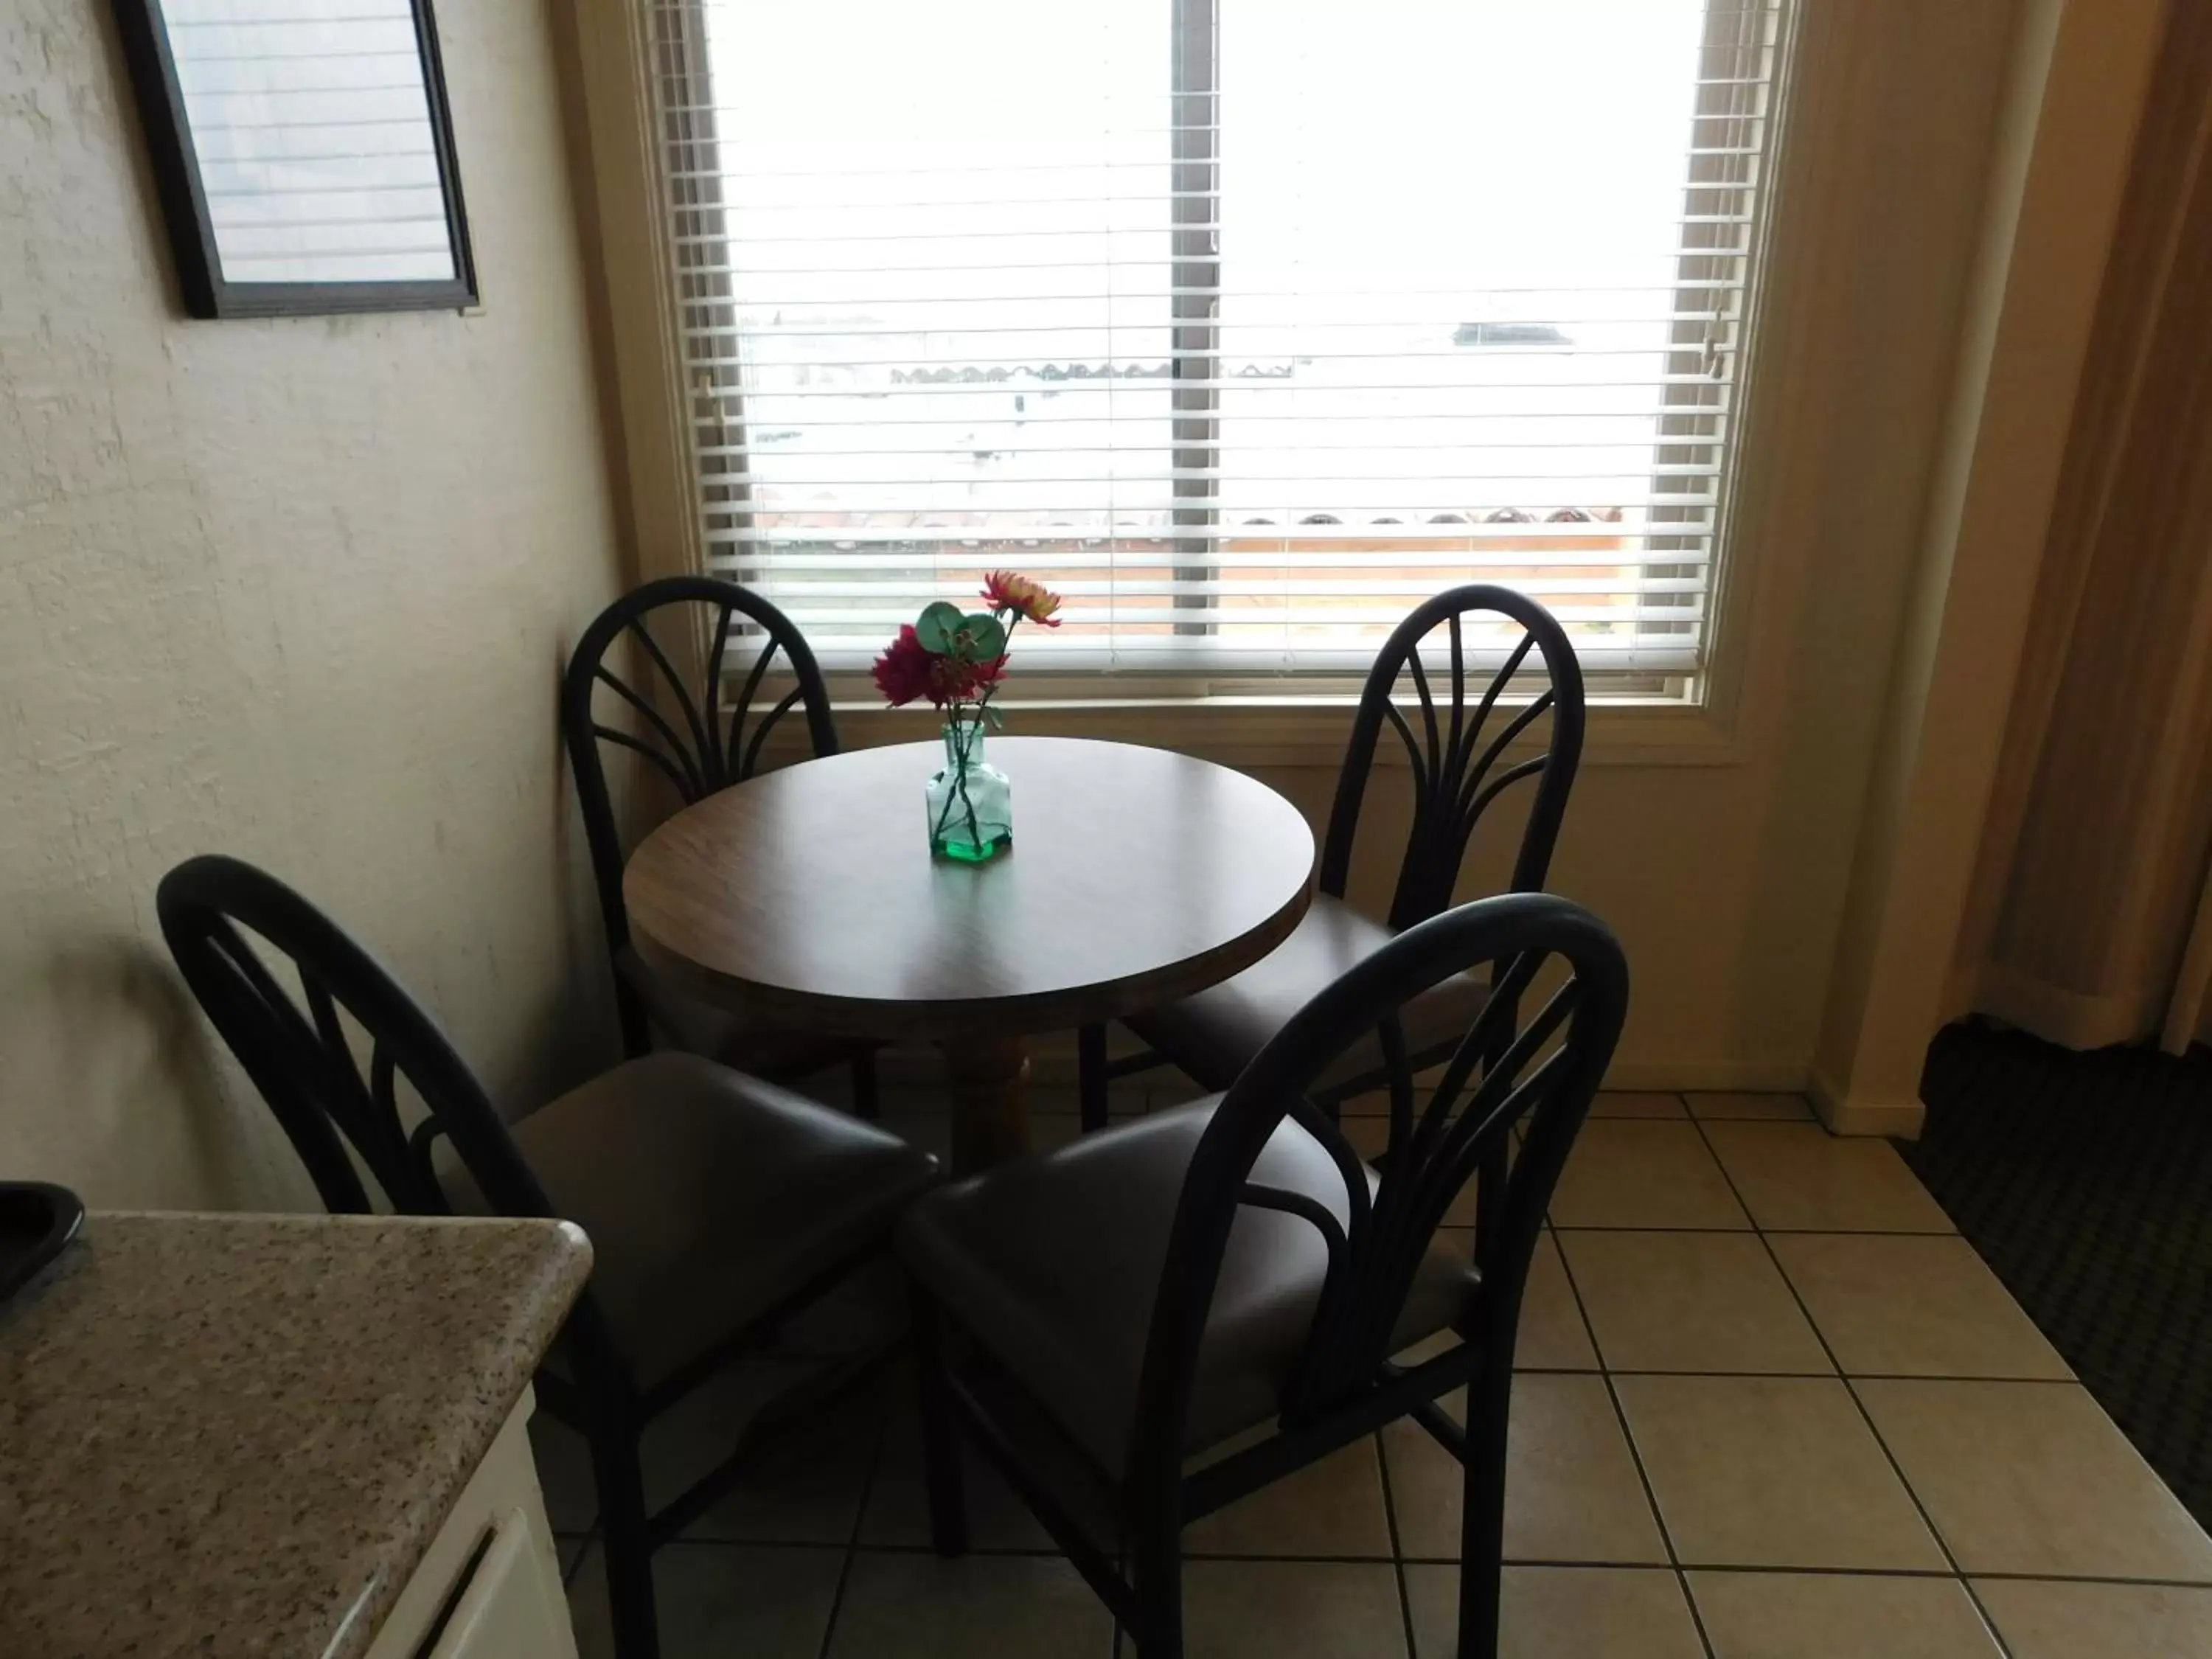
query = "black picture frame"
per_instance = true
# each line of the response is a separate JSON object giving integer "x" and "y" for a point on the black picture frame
{"x": 152, "y": 63}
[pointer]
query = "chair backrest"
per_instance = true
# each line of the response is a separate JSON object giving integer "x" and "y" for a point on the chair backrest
{"x": 695, "y": 731}
{"x": 305, "y": 1054}
{"x": 1453, "y": 757}
{"x": 1539, "y": 1072}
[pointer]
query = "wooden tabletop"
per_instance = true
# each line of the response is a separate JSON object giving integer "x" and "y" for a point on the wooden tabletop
{"x": 809, "y": 894}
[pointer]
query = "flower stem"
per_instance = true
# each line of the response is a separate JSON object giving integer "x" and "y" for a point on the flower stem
{"x": 967, "y": 730}
{"x": 959, "y": 770}
{"x": 965, "y": 744}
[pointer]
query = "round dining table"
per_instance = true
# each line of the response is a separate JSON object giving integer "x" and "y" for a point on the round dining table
{"x": 808, "y": 895}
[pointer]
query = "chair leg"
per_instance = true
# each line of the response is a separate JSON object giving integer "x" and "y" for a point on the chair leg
{"x": 940, "y": 1448}
{"x": 1490, "y": 1191}
{"x": 867, "y": 1102}
{"x": 1090, "y": 1075}
{"x": 1156, "y": 1561}
{"x": 629, "y": 1013}
{"x": 1482, "y": 1515}
{"x": 623, "y": 1536}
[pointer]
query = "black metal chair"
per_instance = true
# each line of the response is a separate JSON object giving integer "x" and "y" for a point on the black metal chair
{"x": 1454, "y": 764}
{"x": 718, "y": 1206}
{"x": 699, "y": 737}
{"x": 1103, "y": 1315}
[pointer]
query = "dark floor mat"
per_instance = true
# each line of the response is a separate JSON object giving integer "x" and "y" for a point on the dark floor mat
{"x": 2085, "y": 1180}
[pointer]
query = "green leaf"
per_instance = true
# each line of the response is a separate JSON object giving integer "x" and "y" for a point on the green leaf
{"x": 995, "y": 716}
{"x": 936, "y": 626}
{"x": 987, "y": 635}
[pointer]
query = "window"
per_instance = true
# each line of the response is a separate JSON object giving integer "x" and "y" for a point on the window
{"x": 1247, "y": 324}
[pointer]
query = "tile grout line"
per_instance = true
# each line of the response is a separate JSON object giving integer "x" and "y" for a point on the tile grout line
{"x": 1636, "y": 1452}
{"x": 1310, "y": 1558}
{"x": 1864, "y": 1376}
{"x": 1943, "y": 1544}
{"x": 853, "y": 1536}
{"x": 1397, "y": 1548}
{"x": 590, "y": 1539}
{"x": 1751, "y": 1227}
{"x": 1627, "y": 1433}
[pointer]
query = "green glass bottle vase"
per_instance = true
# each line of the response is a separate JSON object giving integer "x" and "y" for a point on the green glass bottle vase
{"x": 971, "y": 807}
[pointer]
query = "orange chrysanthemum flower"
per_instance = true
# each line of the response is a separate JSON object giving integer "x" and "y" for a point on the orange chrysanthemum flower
{"x": 1031, "y": 601}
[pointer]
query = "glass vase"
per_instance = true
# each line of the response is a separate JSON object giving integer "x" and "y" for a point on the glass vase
{"x": 971, "y": 810}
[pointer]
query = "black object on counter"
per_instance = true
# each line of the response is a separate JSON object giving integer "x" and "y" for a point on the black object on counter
{"x": 37, "y": 1221}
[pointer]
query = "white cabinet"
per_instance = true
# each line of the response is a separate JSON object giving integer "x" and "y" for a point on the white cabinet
{"x": 489, "y": 1586}
{"x": 512, "y": 1607}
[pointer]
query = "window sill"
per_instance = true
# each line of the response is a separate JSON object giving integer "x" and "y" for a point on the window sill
{"x": 1250, "y": 732}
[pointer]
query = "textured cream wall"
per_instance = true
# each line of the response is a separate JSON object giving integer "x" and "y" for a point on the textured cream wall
{"x": 296, "y": 589}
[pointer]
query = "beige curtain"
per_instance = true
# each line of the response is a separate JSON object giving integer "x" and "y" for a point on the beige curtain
{"x": 2091, "y": 921}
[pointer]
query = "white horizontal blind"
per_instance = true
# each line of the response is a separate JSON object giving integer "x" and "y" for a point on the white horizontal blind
{"x": 1246, "y": 324}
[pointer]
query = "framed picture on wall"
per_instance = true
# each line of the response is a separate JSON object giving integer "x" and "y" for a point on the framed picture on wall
{"x": 303, "y": 153}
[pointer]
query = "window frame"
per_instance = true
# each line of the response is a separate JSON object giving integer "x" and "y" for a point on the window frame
{"x": 1694, "y": 718}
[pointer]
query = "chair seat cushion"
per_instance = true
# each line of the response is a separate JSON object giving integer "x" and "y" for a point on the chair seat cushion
{"x": 1213, "y": 1034}
{"x": 699, "y": 1027}
{"x": 709, "y": 1196}
{"x": 1053, "y": 1264}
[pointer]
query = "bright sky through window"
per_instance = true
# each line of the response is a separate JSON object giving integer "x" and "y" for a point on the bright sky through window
{"x": 1249, "y": 322}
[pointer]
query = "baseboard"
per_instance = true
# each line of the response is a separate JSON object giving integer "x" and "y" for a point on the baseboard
{"x": 1052, "y": 1064}
{"x": 1749, "y": 1076}
{"x": 1898, "y": 1120}
{"x": 1052, "y": 1061}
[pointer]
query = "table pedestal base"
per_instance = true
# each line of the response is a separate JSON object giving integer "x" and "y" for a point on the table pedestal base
{"x": 990, "y": 1102}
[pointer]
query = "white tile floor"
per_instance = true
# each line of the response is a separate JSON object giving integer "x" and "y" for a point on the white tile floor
{"x": 1771, "y": 1406}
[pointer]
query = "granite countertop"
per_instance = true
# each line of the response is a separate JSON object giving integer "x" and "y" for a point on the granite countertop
{"x": 237, "y": 1435}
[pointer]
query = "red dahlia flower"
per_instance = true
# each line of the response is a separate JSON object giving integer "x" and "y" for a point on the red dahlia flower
{"x": 906, "y": 671}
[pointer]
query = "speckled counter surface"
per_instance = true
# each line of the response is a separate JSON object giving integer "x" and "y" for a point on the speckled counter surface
{"x": 237, "y": 1435}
